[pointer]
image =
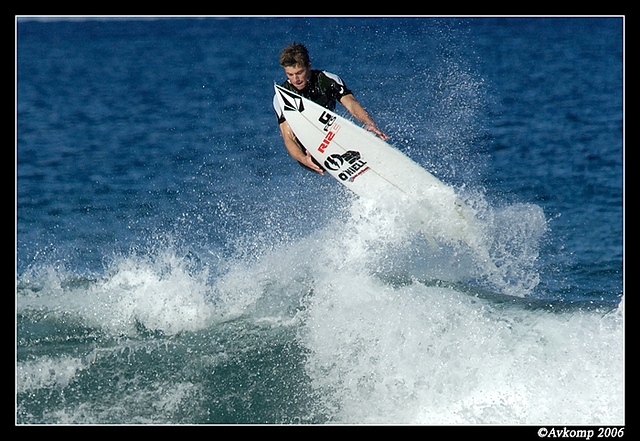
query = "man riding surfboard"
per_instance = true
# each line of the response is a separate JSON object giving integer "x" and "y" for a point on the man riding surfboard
{"x": 321, "y": 87}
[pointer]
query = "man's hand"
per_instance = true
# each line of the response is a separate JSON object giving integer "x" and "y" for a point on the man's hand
{"x": 361, "y": 115}
{"x": 373, "y": 128}
{"x": 295, "y": 150}
{"x": 308, "y": 161}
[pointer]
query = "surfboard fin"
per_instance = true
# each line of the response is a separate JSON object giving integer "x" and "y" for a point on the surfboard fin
{"x": 431, "y": 240}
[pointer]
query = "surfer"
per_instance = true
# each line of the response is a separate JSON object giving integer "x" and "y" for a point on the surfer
{"x": 321, "y": 87}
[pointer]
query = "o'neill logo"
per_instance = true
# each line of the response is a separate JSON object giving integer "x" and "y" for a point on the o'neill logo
{"x": 350, "y": 165}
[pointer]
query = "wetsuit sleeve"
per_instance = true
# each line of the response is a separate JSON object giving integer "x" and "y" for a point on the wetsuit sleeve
{"x": 339, "y": 88}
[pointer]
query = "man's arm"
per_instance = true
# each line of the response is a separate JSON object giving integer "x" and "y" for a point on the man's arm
{"x": 295, "y": 150}
{"x": 361, "y": 115}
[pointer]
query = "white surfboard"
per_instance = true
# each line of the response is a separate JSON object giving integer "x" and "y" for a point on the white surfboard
{"x": 373, "y": 169}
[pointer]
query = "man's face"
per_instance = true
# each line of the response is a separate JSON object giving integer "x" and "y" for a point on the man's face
{"x": 298, "y": 75}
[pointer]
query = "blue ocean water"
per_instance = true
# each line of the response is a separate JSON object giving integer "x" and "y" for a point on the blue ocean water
{"x": 175, "y": 265}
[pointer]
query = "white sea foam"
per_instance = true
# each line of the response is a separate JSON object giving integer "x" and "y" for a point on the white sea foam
{"x": 47, "y": 372}
{"x": 156, "y": 291}
{"x": 377, "y": 351}
{"x": 383, "y": 353}
{"x": 420, "y": 354}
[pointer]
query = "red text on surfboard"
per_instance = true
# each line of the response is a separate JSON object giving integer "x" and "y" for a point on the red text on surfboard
{"x": 327, "y": 139}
